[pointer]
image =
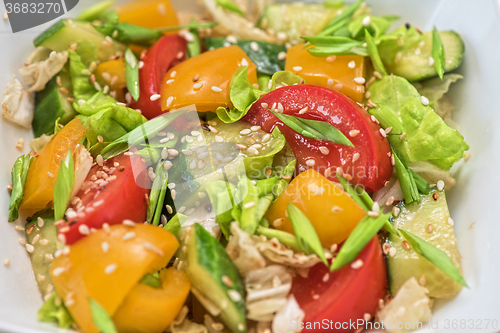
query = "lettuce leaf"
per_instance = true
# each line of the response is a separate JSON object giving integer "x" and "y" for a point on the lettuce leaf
{"x": 428, "y": 137}
{"x": 256, "y": 166}
{"x": 54, "y": 311}
{"x": 102, "y": 116}
{"x": 82, "y": 88}
{"x": 19, "y": 176}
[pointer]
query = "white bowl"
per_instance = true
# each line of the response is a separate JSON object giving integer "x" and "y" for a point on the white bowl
{"x": 471, "y": 202}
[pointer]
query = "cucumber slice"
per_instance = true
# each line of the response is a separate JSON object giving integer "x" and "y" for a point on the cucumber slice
{"x": 413, "y": 64}
{"x": 52, "y": 104}
{"x": 297, "y": 19}
{"x": 44, "y": 247}
{"x": 215, "y": 277}
{"x": 415, "y": 218}
{"x": 64, "y": 33}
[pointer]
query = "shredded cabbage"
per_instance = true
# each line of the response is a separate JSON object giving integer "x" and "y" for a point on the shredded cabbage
{"x": 17, "y": 104}
{"x": 38, "y": 74}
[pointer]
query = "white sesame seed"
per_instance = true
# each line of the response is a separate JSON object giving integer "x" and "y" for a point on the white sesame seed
{"x": 153, "y": 248}
{"x": 392, "y": 252}
{"x": 216, "y": 89}
{"x": 234, "y": 295}
{"x": 359, "y": 80}
{"x": 353, "y": 133}
{"x": 245, "y": 131}
{"x": 282, "y": 36}
{"x": 282, "y": 56}
{"x": 366, "y": 20}
{"x": 58, "y": 271}
{"x": 280, "y": 108}
{"x": 22, "y": 241}
{"x": 382, "y": 132}
{"x": 351, "y": 64}
{"x": 50, "y": 174}
{"x": 35, "y": 239}
{"x": 357, "y": 264}
{"x": 99, "y": 160}
{"x": 376, "y": 207}
{"x": 270, "y": 84}
{"x": 244, "y": 62}
{"x": 331, "y": 58}
{"x": 110, "y": 268}
{"x": 337, "y": 209}
{"x": 198, "y": 85}
{"x": 431, "y": 61}
{"x": 324, "y": 150}
{"x": 255, "y": 128}
{"x": 19, "y": 228}
{"x": 155, "y": 97}
{"x": 105, "y": 247}
{"x": 310, "y": 162}
{"x": 169, "y": 101}
{"x": 128, "y": 223}
{"x": 389, "y": 201}
{"x": 395, "y": 211}
{"x": 249, "y": 205}
{"x": 393, "y": 160}
{"x": 201, "y": 164}
{"x": 128, "y": 235}
{"x": 61, "y": 238}
{"x": 30, "y": 248}
{"x": 373, "y": 214}
{"x": 170, "y": 81}
{"x": 330, "y": 83}
{"x": 169, "y": 209}
{"x": 180, "y": 55}
{"x": 451, "y": 222}
{"x": 338, "y": 86}
{"x": 440, "y": 185}
{"x": 424, "y": 100}
{"x": 232, "y": 39}
{"x": 297, "y": 68}
{"x": 355, "y": 157}
{"x": 254, "y": 46}
{"x": 173, "y": 74}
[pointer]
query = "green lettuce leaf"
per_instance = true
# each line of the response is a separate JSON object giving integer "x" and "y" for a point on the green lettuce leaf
{"x": 242, "y": 94}
{"x": 102, "y": 116}
{"x": 221, "y": 195}
{"x": 82, "y": 88}
{"x": 285, "y": 77}
{"x": 54, "y": 311}
{"x": 428, "y": 137}
{"x": 19, "y": 175}
{"x": 87, "y": 51}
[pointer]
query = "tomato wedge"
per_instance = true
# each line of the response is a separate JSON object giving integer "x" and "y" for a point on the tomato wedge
{"x": 368, "y": 163}
{"x": 346, "y": 295}
{"x": 109, "y": 195}
{"x": 165, "y": 53}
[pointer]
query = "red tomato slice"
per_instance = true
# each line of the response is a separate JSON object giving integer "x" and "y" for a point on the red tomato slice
{"x": 110, "y": 195}
{"x": 347, "y": 295}
{"x": 368, "y": 163}
{"x": 165, "y": 53}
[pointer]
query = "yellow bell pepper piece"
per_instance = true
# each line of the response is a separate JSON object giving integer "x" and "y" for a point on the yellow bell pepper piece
{"x": 205, "y": 80}
{"x": 332, "y": 212}
{"x": 112, "y": 73}
{"x": 149, "y": 13}
{"x": 106, "y": 266}
{"x": 150, "y": 310}
{"x": 39, "y": 189}
{"x": 334, "y": 72}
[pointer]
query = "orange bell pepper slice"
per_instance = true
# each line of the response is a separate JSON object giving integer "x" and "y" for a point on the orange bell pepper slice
{"x": 205, "y": 80}
{"x": 112, "y": 73}
{"x": 150, "y": 310}
{"x": 106, "y": 265}
{"x": 149, "y": 13}
{"x": 332, "y": 212}
{"x": 334, "y": 72}
{"x": 39, "y": 189}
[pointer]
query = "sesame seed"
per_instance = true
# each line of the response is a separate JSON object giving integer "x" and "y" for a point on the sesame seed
{"x": 83, "y": 229}
{"x": 324, "y": 150}
{"x": 169, "y": 101}
{"x": 392, "y": 252}
{"x": 373, "y": 214}
{"x": 241, "y": 146}
{"x": 105, "y": 247}
{"x": 30, "y": 248}
{"x": 395, "y": 211}
{"x": 340, "y": 171}
{"x": 249, "y": 205}
{"x": 331, "y": 58}
{"x": 6, "y": 262}
{"x": 22, "y": 241}
{"x": 451, "y": 222}
{"x": 110, "y": 268}
{"x": 278, "y": 222}
{"x": 61, "y": 238}
{"x": 234, "y": 295}
{"x": 386, "y": 247}
{"x": 351, "y": 64}
{"x": 227, "y": 281}
{"x": 244, "y": 62}
{"x": 35, "y": 239}
{"x": 5, "y": 16}
{"x": 389, "y": 201}
{"x": 50, "y": 174}
{"x": 231, "y": 39}
{"x": 128, "y": 223}
{"x": 337, "y": 209}
{"x": 153, "y": 248}
{"x": 297, "y": 68}
{"x": 330, "y": 83}
{"x": 19, "y": 228}
{"x": 376, "y": 207}
{"x": 431, "y": 61}
{"x": 353, "y": 133}
{"x": 310, "y": 162}
{"x": 58, "y": 271}
{"x": 424, "y": 100}
{"x": 304, "y": 110}
{"x": 440, "y": 185}
{"x": 282, "y": 56}
{"x": 382, "y": 132}
{"x": 170, "y": 81}
{"x": 366, "y": 20}
{"x": 201, "y": 164}
{"x": 254, "y": 46}
{"x": 281, "y": 35}
{"x": 393, "y": 160}
{"x": 155, "y": 97}
{"x": 255, "y": 128}
{"x": 128, "y": 235}
{"x": 99, "y": 160}
{"x": 338, "y": 86}
{"x": 406, "y": 245}
{"x": 169, "y": 209}
{"x": 198, "y": 85}
{"x": 359, "y": 80}
{"x": 245, "y": 131}
{"x": 216, "y": 89}
{"x": 180, "y": 55}
{"x": 429, "y": 229}
{"x": 357, "y": 264}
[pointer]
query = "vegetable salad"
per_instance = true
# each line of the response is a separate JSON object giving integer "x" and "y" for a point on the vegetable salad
{"x": 259, "y": 167}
